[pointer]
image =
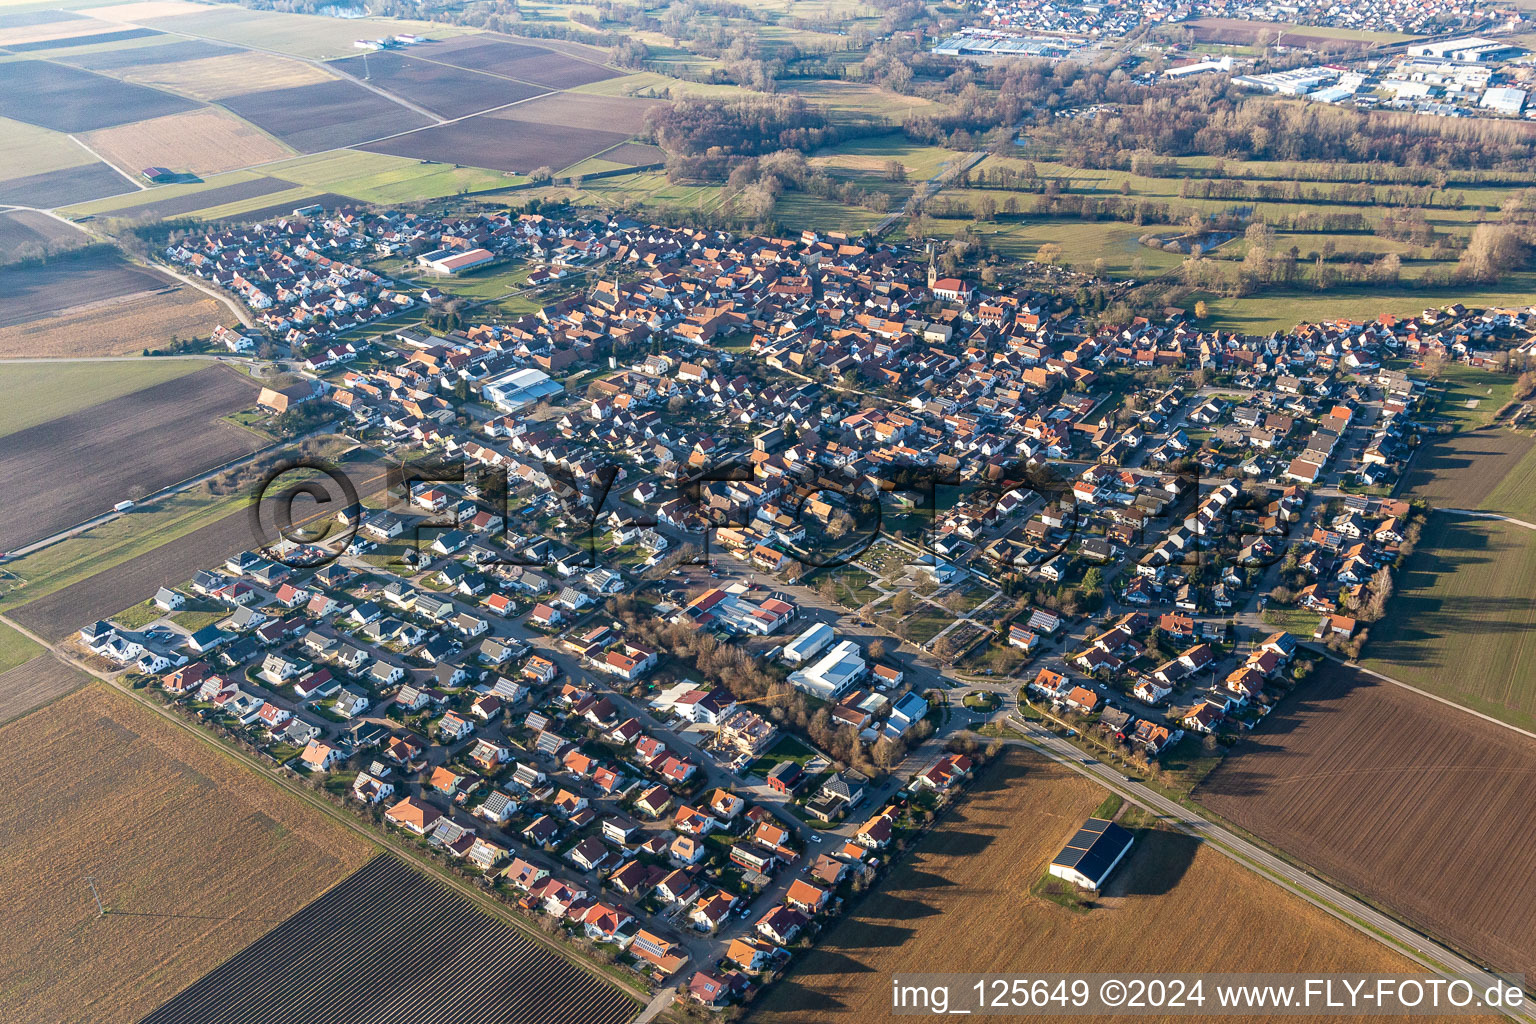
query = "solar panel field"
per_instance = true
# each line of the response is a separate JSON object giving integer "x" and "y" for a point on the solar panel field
{"x": 415, "y": 953}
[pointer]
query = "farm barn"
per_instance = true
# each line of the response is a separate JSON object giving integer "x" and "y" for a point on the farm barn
{"x": 1091, "y": 854}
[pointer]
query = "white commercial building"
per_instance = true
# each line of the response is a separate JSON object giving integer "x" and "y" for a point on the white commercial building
{"x": 1504, "y": 101}
{"x": 1468, "y": 49}
{"x": 833, "y": 675}
{"x": 513, "y": 391}
{"x": 805, "y": 646}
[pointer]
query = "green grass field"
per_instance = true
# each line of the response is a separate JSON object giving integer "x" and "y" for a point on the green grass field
{"x": 15, "y": 649}
{"x": 70, "y": 561}
{"x": 33, "y": 393}
{"x": 1282, "y": 310}
{"x": 1515, "y": 495}
{"x": 869, "y": 155}
{"x": 104, "y": 207}
{"x": 32, "y": 150}
{"x": 377, "y": 178}
{"x": 1462, "y": 620}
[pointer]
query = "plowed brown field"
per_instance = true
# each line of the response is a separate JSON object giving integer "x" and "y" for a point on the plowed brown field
{"x": 1420, "y": 807}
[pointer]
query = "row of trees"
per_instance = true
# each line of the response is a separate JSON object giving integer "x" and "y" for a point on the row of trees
{"x": 1217, "y": 118}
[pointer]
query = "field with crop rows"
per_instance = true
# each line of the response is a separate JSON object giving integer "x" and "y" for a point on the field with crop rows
{"x": 1463, "y": 618}
{"x": 69, "y": 469}
{"x": 415, "y": 953}
{"x": 1419, "y": 807}
{"x": 193, "y": 855}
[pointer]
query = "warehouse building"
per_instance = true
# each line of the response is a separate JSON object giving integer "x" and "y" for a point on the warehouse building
{"x": 450, "y": 261}
{"x": 518, "y": 389}
{"x": 1504, "y": 101}
{"x": 1092, "y": 853}
{"x": 834, "y": 674}
{"x": 1469, "y": 49}
{"x": 808, "y": 644}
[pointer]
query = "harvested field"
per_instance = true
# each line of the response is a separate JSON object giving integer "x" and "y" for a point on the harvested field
{"x": 28, "y": 19}
{"x": 303, "y": 35}
{"x": 30, "y": 29}
{"x": 35, "y": 683}
{"x": 109, "y": 591}
{"x": 1464, "y": 469}
{"x": 71, "y": 100}
{"x": 444, "y": 90}
{"x": 184, "y": 202}
{"x": 487, "y": 140}
{"x": 324, "y": 115}
{"x": 1244, "y": 32}
{"x": 481, "y": 969}
{"x": 589, "y": 113}
{"x": 522, "y": 61}
{"x": 143, "y": 10}
{"x": 52, "y": 189}
{"x": 201, "y": 141}
{"x": 635, "y": 154}
{"x": 165, "y": 53}
{"x": 163, "y": 822}
{"x": 28, "y": 232}
{"x": 116, "y": 327}
{"x": 56, "y": 474}
{"x": 101, "y": 273}
{"x": 1423, "y": 809}
{"x": 961, "y": 900}
{"x": 110, "y": 36}
{"x": 1461, "y": 622}
{"x": 215, "y": 77}
{"x": 36, "y": 291}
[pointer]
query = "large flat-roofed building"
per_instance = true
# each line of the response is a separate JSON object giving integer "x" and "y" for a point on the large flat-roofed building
{"x": 808, "y": 644}
{"x": 452, "y": 261}
{"x": 518, "y": 389}
{"x": 833, "y": 674}
{"x": 1467, "y": 49}
{"x": 1090, "y": 855}
{"x": 1504, "y": 100}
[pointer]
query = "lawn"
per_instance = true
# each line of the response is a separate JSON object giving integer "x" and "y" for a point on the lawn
{"x": 140, "y": 615}
{"x": 1282, "y": 310}
{"x": 378, "y": 178}
{"x": 15, "y": 649}
{"x": 785, "y": 748}
{"x": 33, "y": 393}
{"x": 1460, "y": 622}
{"x": 962, "y": 896}
{"x": 1300, "y": 621}
{"x": 114, "y": 542}
{"x": 32, "y": 150}
{"x": 161, "y": 821}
